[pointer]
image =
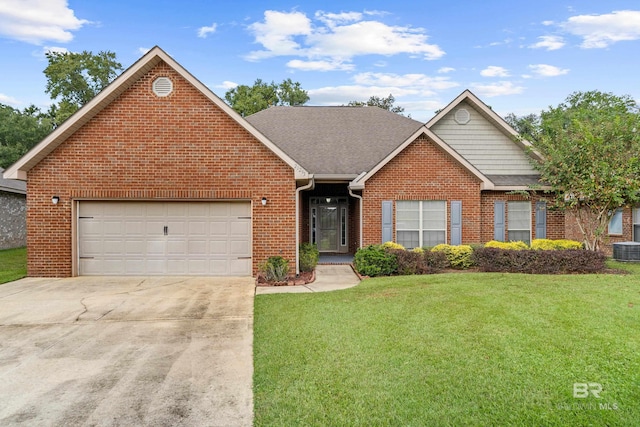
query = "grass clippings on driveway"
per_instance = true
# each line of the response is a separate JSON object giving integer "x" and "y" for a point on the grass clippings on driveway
{"x": 451, "y": 349}
{"x": 13, "y": 264}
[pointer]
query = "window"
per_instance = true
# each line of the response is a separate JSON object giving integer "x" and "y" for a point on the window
{"x": 636, "y": 224}
{"x": 615, "y": 223}
{"x": 519, "y": 221}
{"x": 421, "y": 223}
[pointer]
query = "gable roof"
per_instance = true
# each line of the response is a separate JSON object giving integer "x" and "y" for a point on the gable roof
{"x": 335, "y": 141}
{"x": 11, "y": 185}
{"x": 487, "y": 141}
{"x": 156, "y": 55}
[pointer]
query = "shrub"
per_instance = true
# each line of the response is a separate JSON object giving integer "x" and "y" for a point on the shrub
{"x": 374, "y": 260}
{"x": 418, "y": 250}
{"x": 309, "y": 256}
{"x": 539, "y": 261}
{"x": 458, "y": 256}
{"x": 560, "y": 244}
{"x": 517, "y": 246}
{"x": 392, "y": 245}
{"x": 436, "y": 260}
{"x": 275, "y": 269}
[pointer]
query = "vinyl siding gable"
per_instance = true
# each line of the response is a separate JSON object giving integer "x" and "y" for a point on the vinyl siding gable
{"x": 483, "y": 144}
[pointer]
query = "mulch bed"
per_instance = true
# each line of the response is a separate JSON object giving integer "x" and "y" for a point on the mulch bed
{"x": 301, "y": 279}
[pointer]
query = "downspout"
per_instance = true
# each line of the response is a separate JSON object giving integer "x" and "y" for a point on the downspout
{"x": 352, "y": 194}
{"x": 310, "y": 186}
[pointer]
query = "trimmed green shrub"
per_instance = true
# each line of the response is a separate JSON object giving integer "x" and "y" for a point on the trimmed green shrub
{"x": 560, "y": 244}
{"x": 459, "y": 256}
{"x": 392, "y": 245}
{"x": 436, "y": 261}
{"x": 539, "y": 261}
{"x": 275, "y": 269}
{"x": 517, "y": 246}
{"x": 309, "y": 256}
{"x": 374, "y": 260}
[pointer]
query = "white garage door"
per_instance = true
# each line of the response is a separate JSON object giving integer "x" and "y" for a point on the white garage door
{"x": 164, "y": 238}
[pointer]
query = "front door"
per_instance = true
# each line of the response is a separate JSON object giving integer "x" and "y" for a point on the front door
{"x": 329, "y": 223}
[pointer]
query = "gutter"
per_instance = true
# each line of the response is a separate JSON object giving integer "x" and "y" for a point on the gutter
{"x": 309, "y": 186}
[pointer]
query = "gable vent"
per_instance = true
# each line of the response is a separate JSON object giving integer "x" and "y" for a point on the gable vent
{"x": 162, "y": 86}
{"x": 462, "y": 116}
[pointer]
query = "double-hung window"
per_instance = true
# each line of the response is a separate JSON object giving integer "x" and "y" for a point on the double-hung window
{"x": 421, "y": 223}
{"x": 615, "y": 223}
{"x": 519, "y": 221}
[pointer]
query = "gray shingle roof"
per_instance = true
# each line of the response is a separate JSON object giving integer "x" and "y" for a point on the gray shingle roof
{"x": 515, "y": 180}
{"x": 11, "y": 185}
{"x": 334, "y": 140}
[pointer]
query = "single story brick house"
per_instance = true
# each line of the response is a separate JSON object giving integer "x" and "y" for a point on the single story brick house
{"x": 158, "y": 176}
{"x": 13, "y": 213}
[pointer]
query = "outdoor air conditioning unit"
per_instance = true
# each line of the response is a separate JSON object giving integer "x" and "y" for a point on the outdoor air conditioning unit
{"x": 626, "y": 251}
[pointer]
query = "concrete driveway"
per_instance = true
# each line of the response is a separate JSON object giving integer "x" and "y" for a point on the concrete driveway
{"x": 126, "y": 351}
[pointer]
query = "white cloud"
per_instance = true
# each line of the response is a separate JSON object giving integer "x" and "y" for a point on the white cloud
{"x": 203, "y": 32}
{"x": 601, "y": 31}
{"x": 381, "y": 84}
{"x": 406, "y": 83}
{"x": 8, "y": 100}
{"x": 544, "y": 70}
{"x": 548, "y": 43}
{"x": 226, "y": 85}
{"x": 38, "y": 21}
{"x": 445, "y": 70}
{"x": 494, "y": 71}
{"x": 319, "y": 65}
{"x": 336, "y": 38}
{"x": 276, "y": 34}
{"x": 496, "y": 89}
{"x": 143, "y": 50}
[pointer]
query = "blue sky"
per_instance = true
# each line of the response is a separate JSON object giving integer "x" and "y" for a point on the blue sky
{"x": 518, "y": 57}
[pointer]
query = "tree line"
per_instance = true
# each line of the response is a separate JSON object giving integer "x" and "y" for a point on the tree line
{"x": 588, "y": 147}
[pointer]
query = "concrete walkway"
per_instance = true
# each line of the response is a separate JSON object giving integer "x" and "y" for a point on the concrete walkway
{"x": 328, "y": 278}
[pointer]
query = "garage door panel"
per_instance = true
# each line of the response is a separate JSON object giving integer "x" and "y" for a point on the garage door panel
{"x": 202, "y": 238}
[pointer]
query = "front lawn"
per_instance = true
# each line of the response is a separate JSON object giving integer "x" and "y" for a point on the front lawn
{"x": 452, "y": 349}
{"x": 13, "y": 264}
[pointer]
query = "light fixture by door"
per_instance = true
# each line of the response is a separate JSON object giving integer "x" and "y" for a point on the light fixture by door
{"x": 55, "y": 200}
{"x": 264, "y": 201}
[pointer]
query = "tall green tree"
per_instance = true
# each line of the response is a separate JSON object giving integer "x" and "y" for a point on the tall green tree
{"x": 527, "y": 126}
{"x": 247, "y": 100}
{"x": 73, "y": 79}
{"x": 376, "y": 101}
{"x": 590, "y": 147}
{"x": 20, "y": 131}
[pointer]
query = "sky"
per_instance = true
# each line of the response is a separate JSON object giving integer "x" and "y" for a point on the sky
{"x": 518, "y": 57}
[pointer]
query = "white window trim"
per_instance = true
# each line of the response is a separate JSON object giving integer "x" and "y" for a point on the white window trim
{"x": 609, "y": 232}
{"x": 518, "y": 229}
{"x": 420, "y": 215}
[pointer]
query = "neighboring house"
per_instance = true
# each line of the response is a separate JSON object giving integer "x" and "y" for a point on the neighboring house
{"x": 13, "y": 213}
{"x": 158, "y": 175}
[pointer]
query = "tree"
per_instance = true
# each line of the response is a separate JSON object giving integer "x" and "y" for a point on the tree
{"x": 247, "y": 100}
{"x": 73, "y": 79}
{"x": 20, "y": 131}
{"x": 590, "y": 147}
{"x": 376, "y": 101}
{"x": 527, "y": 126}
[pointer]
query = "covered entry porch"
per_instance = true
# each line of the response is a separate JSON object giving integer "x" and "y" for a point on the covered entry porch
{"x": 330, "y": 218}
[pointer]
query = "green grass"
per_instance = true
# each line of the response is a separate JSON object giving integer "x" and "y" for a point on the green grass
{"x": 13, "y": 264}
{"x": 451, "y": 349}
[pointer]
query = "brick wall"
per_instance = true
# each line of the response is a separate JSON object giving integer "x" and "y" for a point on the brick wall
{"x": 555, "y": 219}
{"x": 573, "y": 231}
{"x": 422, "y": 171}
{"x": 13, "y": 224}
{"x": 144, "y": 147}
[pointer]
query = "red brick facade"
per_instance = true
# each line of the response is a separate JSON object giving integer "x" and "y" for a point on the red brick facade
{"x": 423, "y": 171}
{"x": 144, "y": 147}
